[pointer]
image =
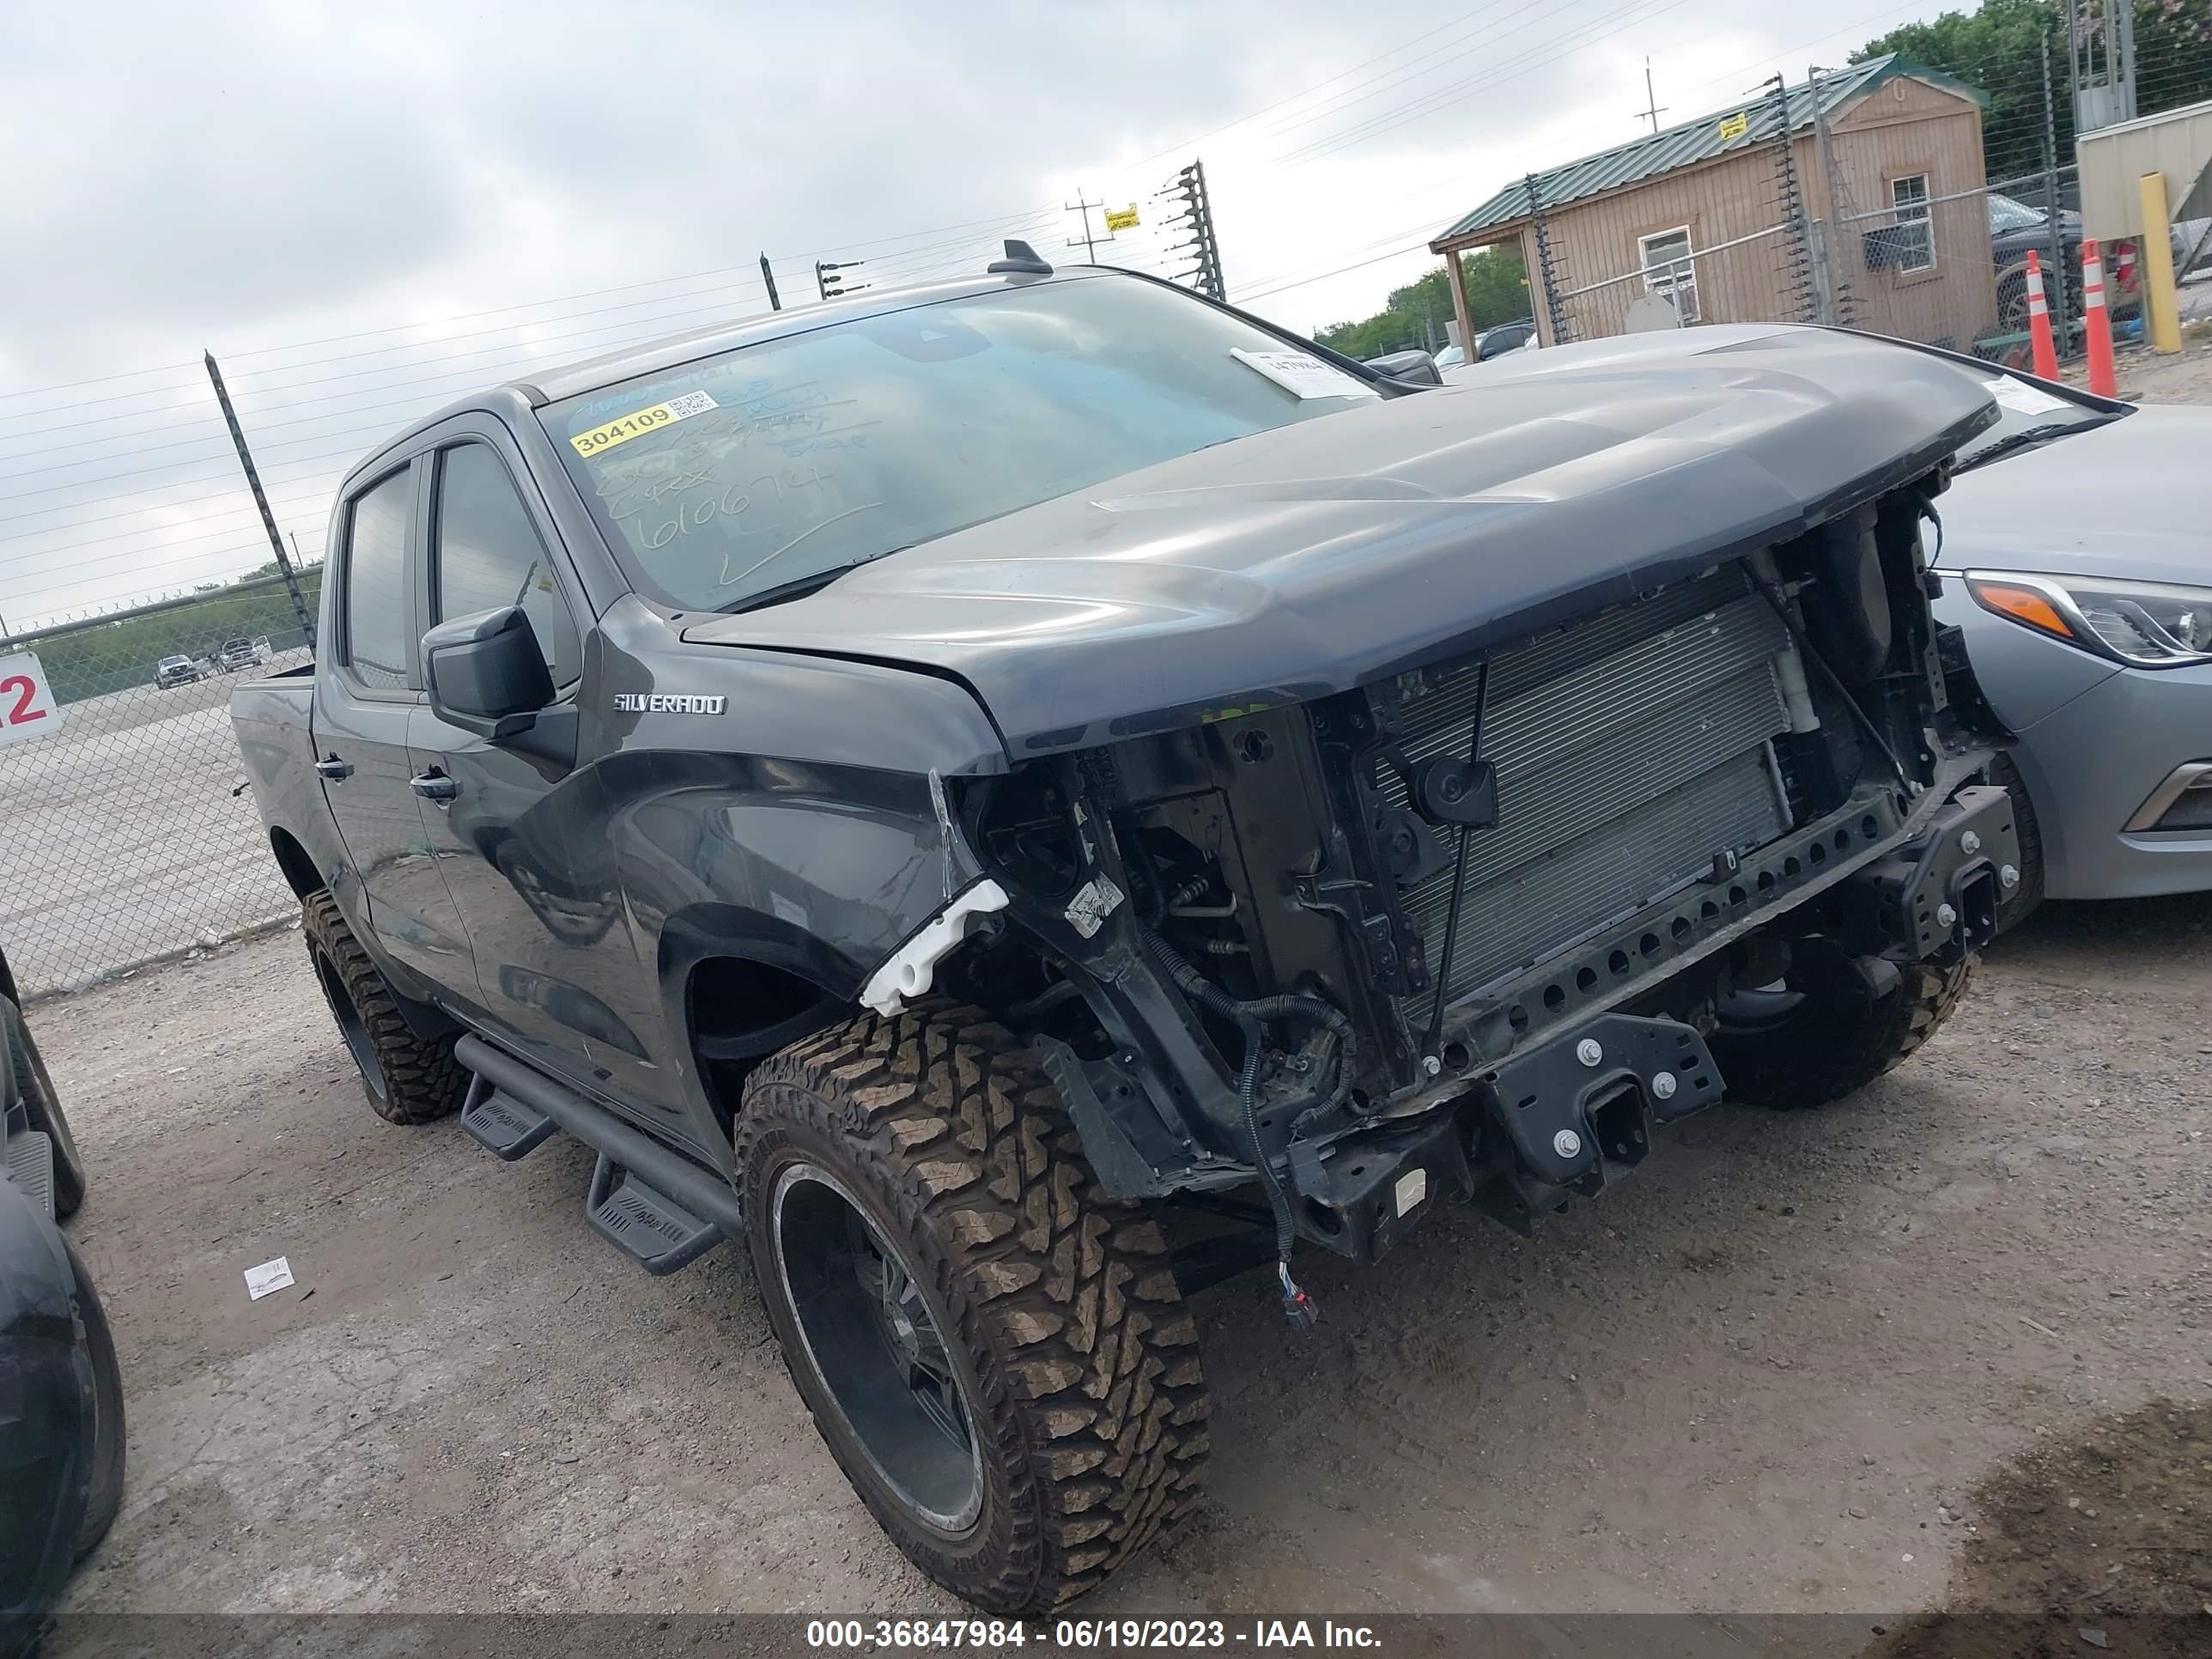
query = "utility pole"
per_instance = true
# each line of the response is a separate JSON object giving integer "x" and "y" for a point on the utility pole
{"x": 1087, "y": 241}
{"x": 831, "y": 286}
{"x": 769, "y": 276}
{"x": 1197, "y": 217}
{"x": 1653, "y": 109}
{"x": 261, "y": 501}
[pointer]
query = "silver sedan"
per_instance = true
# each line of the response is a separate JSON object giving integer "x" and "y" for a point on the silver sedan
{"x": 2077, "y": 555}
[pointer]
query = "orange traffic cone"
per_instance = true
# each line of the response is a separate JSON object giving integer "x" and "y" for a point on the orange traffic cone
{"x": 2097, "y": 322}
{"x": 2038, "y": 322}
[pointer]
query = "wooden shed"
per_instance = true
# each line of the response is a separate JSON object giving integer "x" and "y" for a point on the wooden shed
{"x": 1706, "y": 217}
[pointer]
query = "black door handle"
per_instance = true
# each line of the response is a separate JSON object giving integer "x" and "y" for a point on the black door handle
{"x": 434, "y": 786}
{"x": 335, "y": 769}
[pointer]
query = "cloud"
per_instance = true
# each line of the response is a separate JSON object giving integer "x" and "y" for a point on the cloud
{"x": 241, "y": 174}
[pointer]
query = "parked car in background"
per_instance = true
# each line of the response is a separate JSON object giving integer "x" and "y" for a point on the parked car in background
{"x": 1506, "y": 337}
{"x": 176, "y": 671}
{"x": 2077, "y": 562}
{"x": 243, "y": 653}
{"x": 61, "y": 1390}
{"x": 2016, "y": 228}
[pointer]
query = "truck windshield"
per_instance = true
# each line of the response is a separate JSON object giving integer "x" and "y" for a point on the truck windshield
{"x": 739, "y": 476}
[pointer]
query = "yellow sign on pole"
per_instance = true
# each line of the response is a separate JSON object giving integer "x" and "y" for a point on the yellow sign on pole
{"x": 1122, "y": 218}
{"x": 1734, "y": 126}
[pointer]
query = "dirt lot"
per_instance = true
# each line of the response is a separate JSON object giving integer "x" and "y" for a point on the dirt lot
{"x": 1776, "y": 1371}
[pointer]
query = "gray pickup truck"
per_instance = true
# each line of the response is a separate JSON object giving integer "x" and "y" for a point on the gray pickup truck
{"x": 1022, "y": 797}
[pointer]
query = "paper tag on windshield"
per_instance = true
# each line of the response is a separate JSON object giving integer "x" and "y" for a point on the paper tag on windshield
{"x": 636, "y": 425}
{"x": 1303, "y": 375}
{"x": 2023, "y": 399}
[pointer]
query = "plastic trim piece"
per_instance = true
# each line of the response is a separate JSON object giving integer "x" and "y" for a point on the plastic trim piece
{"x": 911, "y": 970}
{"x": 2196, "y": 774}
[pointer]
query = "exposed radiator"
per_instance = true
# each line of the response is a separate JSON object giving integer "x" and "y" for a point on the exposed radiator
{"x": 1629, "y": 749}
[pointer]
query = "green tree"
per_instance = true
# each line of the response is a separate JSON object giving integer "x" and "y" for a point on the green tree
{"x": 1998, "y": 49}
{"x": 1414, "y": 316}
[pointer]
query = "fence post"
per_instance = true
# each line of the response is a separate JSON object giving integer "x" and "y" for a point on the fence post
{"x": 1798, "y": 264}
{"x": 1824, "y": 253}
{"x": 261, "y": 500}
{"x": 1553, "y": 313}
{"x": 2051, "y": 207}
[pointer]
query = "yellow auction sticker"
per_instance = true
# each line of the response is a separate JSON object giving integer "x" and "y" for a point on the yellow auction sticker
{"x": 641, "y": 422}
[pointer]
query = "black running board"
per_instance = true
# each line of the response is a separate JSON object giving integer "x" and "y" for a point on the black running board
{"x": 30, "y": 1165}
{"x": 644, "y": 1223}
{"x": 501, "y": 1124}
{"x": 664, "y": 1209}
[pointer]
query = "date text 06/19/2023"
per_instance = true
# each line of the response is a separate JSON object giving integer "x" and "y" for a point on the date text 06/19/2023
{"x": 1085, "y": 1635}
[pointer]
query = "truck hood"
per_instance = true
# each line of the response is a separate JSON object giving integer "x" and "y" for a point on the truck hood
{"x": 1304, "y": 561}
{"x": 2120, "y": 501}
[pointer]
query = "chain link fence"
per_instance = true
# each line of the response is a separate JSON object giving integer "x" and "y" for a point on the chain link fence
{"x": 122, "y": 838}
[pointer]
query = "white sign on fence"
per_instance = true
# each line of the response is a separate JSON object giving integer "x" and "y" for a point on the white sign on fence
{"x": 28, "y": 709}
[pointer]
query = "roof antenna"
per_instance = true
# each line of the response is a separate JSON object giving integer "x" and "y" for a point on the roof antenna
{"x": 1021, "y": 260}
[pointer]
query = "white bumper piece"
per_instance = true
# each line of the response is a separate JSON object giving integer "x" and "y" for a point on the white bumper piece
{"x": 911, "y": 970}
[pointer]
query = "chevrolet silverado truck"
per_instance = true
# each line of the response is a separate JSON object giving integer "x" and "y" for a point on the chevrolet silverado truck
{"x": 938, "y": 785}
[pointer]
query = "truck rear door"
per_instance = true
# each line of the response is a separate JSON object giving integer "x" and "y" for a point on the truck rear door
{"x": 369, "y": 691}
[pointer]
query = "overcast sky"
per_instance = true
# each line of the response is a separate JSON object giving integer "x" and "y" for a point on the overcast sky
{"x": 365, "y": 210}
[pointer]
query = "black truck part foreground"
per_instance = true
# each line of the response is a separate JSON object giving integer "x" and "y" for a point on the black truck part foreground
{"x": 1246, "y": 793}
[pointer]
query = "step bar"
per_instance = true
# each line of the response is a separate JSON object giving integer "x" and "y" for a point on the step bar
{"x": 699, "y": 1190}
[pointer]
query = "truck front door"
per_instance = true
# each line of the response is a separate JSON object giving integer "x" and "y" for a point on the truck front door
{"x": 523, "y": 833}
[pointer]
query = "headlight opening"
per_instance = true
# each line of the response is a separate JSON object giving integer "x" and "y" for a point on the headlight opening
{"x": 2145, "y": 624}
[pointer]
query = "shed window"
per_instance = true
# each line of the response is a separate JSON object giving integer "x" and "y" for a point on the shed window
{"x": 1916, "y": 232}
{"x": 1669, "y": 272}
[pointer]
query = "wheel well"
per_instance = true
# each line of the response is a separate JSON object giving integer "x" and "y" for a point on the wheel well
{"x": 292, "y": 859}
{"x": 739, "y": 1011}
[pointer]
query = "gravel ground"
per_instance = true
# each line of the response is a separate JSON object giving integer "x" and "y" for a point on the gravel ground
{"x": 1756, "y": 1377}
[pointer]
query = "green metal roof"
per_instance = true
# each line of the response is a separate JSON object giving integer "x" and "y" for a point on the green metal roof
{"x": 1695, "y": 141}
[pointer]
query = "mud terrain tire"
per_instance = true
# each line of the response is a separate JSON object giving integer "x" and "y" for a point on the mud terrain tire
{"x": 1055, "y": 1307}
{"x": 407, "y": 1079}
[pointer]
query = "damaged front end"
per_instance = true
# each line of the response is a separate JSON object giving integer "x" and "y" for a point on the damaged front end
{"x": 1476, "y": 928}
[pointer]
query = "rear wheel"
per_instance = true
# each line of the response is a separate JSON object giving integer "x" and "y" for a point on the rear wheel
{"x": 995, "y": 1352}
{"x": 408, "y": 1078}
{"x": 36, "y": 1090}
{"x": 1823, "y": 1029}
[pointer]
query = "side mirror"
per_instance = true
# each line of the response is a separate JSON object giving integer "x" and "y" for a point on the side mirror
{"x": 1412, "y": 367}
{"x": 486, "y": 673}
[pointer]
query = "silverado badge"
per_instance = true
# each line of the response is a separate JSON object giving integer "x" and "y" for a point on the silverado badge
{"x": 667, "y": 702}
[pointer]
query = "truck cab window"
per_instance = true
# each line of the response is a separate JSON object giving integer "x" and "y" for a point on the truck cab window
{"x": 376, "y": 583}
{"x": 488, "y": 554}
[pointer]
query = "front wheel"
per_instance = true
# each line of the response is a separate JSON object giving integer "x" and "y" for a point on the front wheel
{"x": 1823, "y": 1031}
{"x": 994, "y": 1351}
